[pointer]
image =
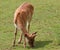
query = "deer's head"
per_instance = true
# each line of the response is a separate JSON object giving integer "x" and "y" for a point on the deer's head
{"x": 31, "y": 39}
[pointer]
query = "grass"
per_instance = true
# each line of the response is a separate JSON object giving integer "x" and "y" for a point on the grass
{"x": 46, "y": 20}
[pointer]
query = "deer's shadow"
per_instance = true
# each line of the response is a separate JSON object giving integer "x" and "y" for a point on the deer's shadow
{"x": 39, "y": 44}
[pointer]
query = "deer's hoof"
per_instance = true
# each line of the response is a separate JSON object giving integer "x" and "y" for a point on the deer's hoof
{"x": 24, "y": 46}
{"x": 19, "y": 42}
{"x": 13, "y": 45}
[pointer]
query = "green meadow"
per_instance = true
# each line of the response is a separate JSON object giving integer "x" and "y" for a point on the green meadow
{"x": 45, "y": 20}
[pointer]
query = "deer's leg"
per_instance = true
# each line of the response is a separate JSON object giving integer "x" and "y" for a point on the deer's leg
{"x": 15, "y": 37}
{"x": 28, "y": 27}
{"x": 28, "y": 23}
{"x": 24, "y": 42}
{"x": 23, "y": 32}
{"x": 20, "y": 39}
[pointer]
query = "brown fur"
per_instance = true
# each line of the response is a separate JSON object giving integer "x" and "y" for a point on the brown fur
{"x": 22, "y": 16}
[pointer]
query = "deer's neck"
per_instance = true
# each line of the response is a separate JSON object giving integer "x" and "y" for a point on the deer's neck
{"x": 27, "y": 35}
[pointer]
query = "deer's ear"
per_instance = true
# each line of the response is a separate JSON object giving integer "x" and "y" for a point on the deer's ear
{"x": 34, "y": 33}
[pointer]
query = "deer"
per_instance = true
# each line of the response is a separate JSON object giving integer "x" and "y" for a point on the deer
{"x": 22, "y": 19}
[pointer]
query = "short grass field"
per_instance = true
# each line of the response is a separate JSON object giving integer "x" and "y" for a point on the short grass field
{"x": 46, "y": 21}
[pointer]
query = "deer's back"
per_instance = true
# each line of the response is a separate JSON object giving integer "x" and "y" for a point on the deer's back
{"x": 23, "y": 12}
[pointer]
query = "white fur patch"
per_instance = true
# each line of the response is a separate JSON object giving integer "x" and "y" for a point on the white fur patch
{"x": 27, "y": 24}
{"x": 15, "y": 25}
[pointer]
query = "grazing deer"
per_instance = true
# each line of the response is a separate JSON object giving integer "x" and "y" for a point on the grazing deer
{"x": 22, "y": 19}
